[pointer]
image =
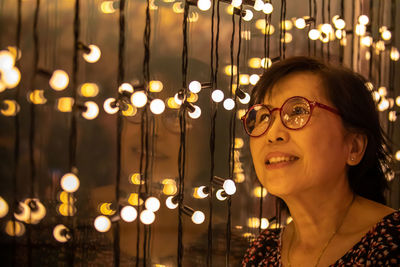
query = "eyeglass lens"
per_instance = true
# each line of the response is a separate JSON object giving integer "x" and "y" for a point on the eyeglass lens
{"x": 294, "y": 114}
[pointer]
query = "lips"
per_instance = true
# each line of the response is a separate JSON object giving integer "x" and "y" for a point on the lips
{"x": 279, "y": 157}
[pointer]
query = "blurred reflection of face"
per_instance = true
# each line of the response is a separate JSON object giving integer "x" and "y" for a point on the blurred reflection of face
{"x": 313, "y": 157}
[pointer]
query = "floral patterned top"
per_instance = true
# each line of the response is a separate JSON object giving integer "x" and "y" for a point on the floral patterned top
{"x": 379, "y": 247}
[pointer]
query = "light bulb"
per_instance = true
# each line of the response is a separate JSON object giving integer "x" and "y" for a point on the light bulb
{"x": 238, "y": 145}
{"x": 229, "y": 70}
{"x": 89, "y": 90}
{"x": 196, "y": 113}
{"x": 107, "y": 7}
{"x": 152, "y": 204}
{"x": 369, "y": 85}
{"x": 109, "y": 106}
{"x": 59, "y": 80}
{"x": 326, "y": 28}
{"x": 258, "y": 190}
{"x": 236, "y": 3}
{"x": 268, "y": 8}
{"x": 135, "y": 200}
{"x": 260, "y": 24}
{"x": 37, "y": 97}
{"x": 229, "y": 104}
{"x": 217, "y": 96}
{"x": 127, "y": 87}
{"x": 287, "y": 25}
{"x": 12, "y": 108}
{"x": 23, "y": 212}
{"x": 229, "y": 187}
{"x": 194, "y": 87}
{"x": 128, "y": 213}
{"x": 61, "y": 233}
{"x": 397, "y": 155}
{"x": 70, "y": 182}
{"x": 92, "y": 110}
{"x": 266, "y": 62}
{"x": 376, "y": 96}
{"x": 363, "y": 19}
{"x": 7, "y": 60}
{"x": 244, "y": 79}
{"x": 204, "y": 5}
{"x": 130, "y": 111}
{"x": 339, "y": 24}
{"x": 287, "y": 38}
{"x": 386, "y": 35}
{"x": 155, "y": 86}
{"x": 2, "y": 86}
{"x": 264, "y": 223}
{"x": 200, "y": 192}
{"x": 382, "y": 91}
{"x": 172, "y": 103}
{"x": 198, "y": 217}
{"x": 139, "y": 99}
{"x": 254, "y": 78}
{"x": 177, "y": 8}
{"x": 392, "y": 116}
{"x": 66, "y": 209}
{"x": 258, "y": 5}
{"x": 157, "y": 106}
{"x": 394, "y": 54}
{"x": 93, "y": 55}
{"x": 398, "y": 101}
{"x": 366, "y": 41}
{"x": 170, "y": 204}
{"x": 11, "y": 77}
{"x": 361, "y": 29}
{"x": 147, "y": 217}
{"x": 14, "y": 228}
{"x": 64, "y": 104}
{"x": 135, "y": 179}
{"x": 169, "y": 189}
{"x": 37, "y": 210}
{"x": 192, "y": 97}
{"x": 253, "y": 222}
{"x": 3, "y": 207}
{"x": 300, "y": 23}
{"x": 383, "y": 104}
{"x": 248, "y": 15}
{"x": 313, "y": 34}
{"x": 219, "y": 195}
{"x": 102, "y": 223}
{"x": 380, "y": 45}
{"x": 105, "y": 209}
{"x": 254, "y": 63}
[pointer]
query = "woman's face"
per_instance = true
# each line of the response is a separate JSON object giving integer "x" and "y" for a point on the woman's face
{"x": 317, "y": 153}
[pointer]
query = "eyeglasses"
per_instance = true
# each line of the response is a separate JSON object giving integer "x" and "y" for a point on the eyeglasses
{"x": 295, "y": 113}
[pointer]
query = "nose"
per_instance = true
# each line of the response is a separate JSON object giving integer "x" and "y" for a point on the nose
{"x": 277, "y": 132}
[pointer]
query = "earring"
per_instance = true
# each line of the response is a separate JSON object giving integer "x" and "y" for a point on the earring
{"x": 352, "y": 158}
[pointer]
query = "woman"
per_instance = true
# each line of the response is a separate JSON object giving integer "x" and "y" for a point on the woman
{"x": 317, "y": 144}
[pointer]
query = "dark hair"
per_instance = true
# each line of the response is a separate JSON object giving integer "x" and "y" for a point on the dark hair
{"x": 348, "y": 92}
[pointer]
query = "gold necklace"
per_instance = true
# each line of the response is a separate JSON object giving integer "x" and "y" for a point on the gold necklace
{"x": 329, "y": 240}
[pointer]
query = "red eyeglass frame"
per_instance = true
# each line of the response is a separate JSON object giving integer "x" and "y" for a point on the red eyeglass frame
{"x": 312, "y": 104}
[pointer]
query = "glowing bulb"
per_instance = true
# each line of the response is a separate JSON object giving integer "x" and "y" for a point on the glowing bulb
{"x": 92, "y": 110}
{"x": 12, "y": 108}
{"x": 93, "y": 55}
{"x": 254, "y": 78}
{"x": 236, "y": 3}
{"x": 89, "y": 90}
{"x": 380, "y": 45}
{"x": 66, "y": 209}
{"x": 383, "y": 105}
{"x": 264, "y": 223}
{"x": 170, "y": 204}
{"x": 386, "y": 35}
{"x": 258, "y": 190}
{"x": 244, "y": 79}
{"x": 258, "y": 5}
{"x": 369, "y": 85}
{"x": 204, "y": 5}
{"x": 217, "y": 96}
{"x": 105, "y": 209}
{"x": 268, "y": 8}
{"x": 253, "y": 222}
{"x": 107, "y": 7}
{"x": 287, "y": 38}
{"x": 266, "y": 63}
{"x": 70, "y": 182}
{"x": 398, "y": 101}
{"x": 339, "y": 24}
{"x": 200, "y": 192}
{"x": 64, "y": 104}
{"x": 125, "y": 87}
{"x": 102, "y": 223}
{"x": 219, "y": 195}
{"x": 397, "y": 155}
{"x": 254, "y": 62}
{"x": 157, "y": 106}
{"x": 130, "y": 111}
{"x": 361, "y": 29}
{"x": 152, "y": 204}
{"x": 3, "y": 207}
{"x": 229, "y": 187}
{"x": 147, "y": 217}
{"x": 228, "y": 70}
{"x": 382, "y": 91}
{"x": 139, "y": 99}
{"x": 229, "y": 104}
{"x": 326, "y": 28}
{"x": 37, "y": 210}
{"x": 135, "y": 179}
{"x": 110, "y": 106}
{"x": 363, "y": 19}
{"x": 11, "y": 77}
{"x": 248, "y": 15}
{"x": 366, "y": 41}
{"x": 135, "y": 200}
{"x": 198, "y": 217}
{"x": 172, "y": 103}
{"x": 7, "y": 60}
{"x": 195, "y": 87}
{"x": 260, "y": 24}
{"x": 196, "y": 113}
{"x": 313, "y": 34}
{"x": 37, "y": 97}
{"x": 169, "y": 189}
{"x": 156, "y": 86}
{"x": 392, "y": 116}
{"x": 287, "y": 25}
{"x": 61, "y": 233}
{"x": 2, "y": 86}
{"x": 300, "y": 23}
{"x": 14, "y": 225}
{"x": 128, "y": 214}
{"x": 192, "y": 97}
{"x": 59, "y": 80}
{"x": 376, "y": 96}
{"x": 394, "y": 54}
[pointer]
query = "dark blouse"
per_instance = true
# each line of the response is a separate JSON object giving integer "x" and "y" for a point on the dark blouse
{"x": 379, "y": 247}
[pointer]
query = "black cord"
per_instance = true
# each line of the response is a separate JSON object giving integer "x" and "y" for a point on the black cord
{"x": 232, "y": 46}
{"x": 341, "y": 47}
{"x": 329, "y": 17}
{"x": 315, "y": 22}
{"x": 353, "y": 10}
{"x": 309, "y": 24}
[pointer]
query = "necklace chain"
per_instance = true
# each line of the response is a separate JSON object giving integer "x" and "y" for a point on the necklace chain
{"x": 329, "y": 240}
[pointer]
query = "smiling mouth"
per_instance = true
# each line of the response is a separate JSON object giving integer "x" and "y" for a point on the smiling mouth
{"x": 275, "y": 160}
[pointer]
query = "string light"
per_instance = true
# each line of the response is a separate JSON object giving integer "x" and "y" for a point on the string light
{"x": 91, "y": 110}
{"x": 300, "y": 23}
{"x": 23, "y": 212}
{"x": 147, "y": 217}
{"x": 398, "y": 101}
{"x": 268, "y": 8}
{"x": 220, "y": 194}
{"x": 170, "y": 203}
{"x": 135, "y": 200}
{"x": 139, "y": 99}
{"x": 366, "y": 41}
{"x": 61, "y": 233}
{"x": 204, "y": 5}
{"x": 70, "y": 182}
{"x": 392, "y": 116}
{"x": 7, "y": 60}
{"x": 382, "y": 91}
{"x": 14, "y": 228}
{"x": 254, "y": 78}
{"x": 102, "y": 223}
{"x": 228, "y": 70}
{"x": 9, "y": 107}
{"x": 37, "y": 97}
{"x": 236, "y": 3}
{"x": 394, "y": 54}
{"x": 313, "y": 34}
{"x": 105, "y": 209}
{"x": 397, "y": 155}
{"x": 202, "y": 191}
{"x": 110, "y": 106}
{"x": 125, "y": 87}
{"x": 361, "y": 29}
{"x": 157, "y": 106}
{"x": 128, "y": 213}
{"x": 248, "y": 15}
{"x": 229, "y": 104}
{"x": 386, "y": 35}
{"x": 363, "y": 19}
{"x": 217, "y": 96}
{"x": 266, "y": 63}
{"x": 258, "y": 5}
{"x": 238, "y": 144}
{"x": 198, "y": 217}
{"x": 59, "y": 80}
{"x": 155, "y": 86}
{"x": 257, "y": 192}
{"x": 229, "y": 187}
{"x": 152, "y": 204}
{"x": 11, "y": 77}
{"x": 196, "y": 113}
{"x": 91, "y": 53}
{"x": 254, "y": 63}
{"x": 64, "y": 104}
{"x": 244, "y": 79}
{"x": 339, "y": 24}
{"x": 89, "y": 90}
{"x": 3, "y": 207}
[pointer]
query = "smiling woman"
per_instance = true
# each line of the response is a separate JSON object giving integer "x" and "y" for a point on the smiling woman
{"x": 323, "y": 154}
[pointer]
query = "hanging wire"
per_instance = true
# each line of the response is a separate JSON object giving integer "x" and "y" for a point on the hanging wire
{"x": 282, "y": 32}
{"x": 392, "y": 65}
{"x": 371, "y": 15}
{"x": 309, "y": 26}
{"x": 353, "y": 10}
{"x": 329, "y": 18}
{"x": 341, "y": 47}
{"x": 315, "y": 23}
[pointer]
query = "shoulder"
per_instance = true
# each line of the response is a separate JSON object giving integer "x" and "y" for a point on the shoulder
{"x": 265, "y": 246}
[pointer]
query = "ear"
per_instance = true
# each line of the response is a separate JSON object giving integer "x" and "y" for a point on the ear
{"x": 358, "y": 143}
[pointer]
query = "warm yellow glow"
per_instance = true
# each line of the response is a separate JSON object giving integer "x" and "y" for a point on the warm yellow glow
{"x": 239, "y": 142}
{"x": 289, "y": 220}
{"x": 37, "y": 97}
{"x": 11, "y": 77}
{"x": 258, "y": 5}
{"x": 59, "y": 80}
{"x": 253, "y": 222}
{"x": 394, "y": 54}
{"x": 240, "y": 178}
{"x": 3, "y": 87}
{"x": 125, "y": 87}
{"x": 155, "y": 86}
{"x": 92, "y": 110}
{"x": 266, "y": 62}
{"x": 228, "y": 70}
{"x": 363, "y": 19}
{"x": 105, "y": 209}
{"x": 35, "y": 214}
{"x": 240, "y": 113}
{"x": 361, "y": 29}
{"x": 135, "y": 179}
{"x": 229, "y": 9}
{"x": 386, "y": 35}
{"x": 382, "y": 91}
{"x": 18, "y": 226}
{"x": 313, "y": 34}
{"x": 204, "y": 5}
{"x": 254, "y": 62}
{"x": 366, "y": 41}
{"x": 397, "y": 155}
{"x": 66, "y": 197}
{"x": 66, "y": 209}
{"x": 128, "y": 213}
{"x": 64, "y": 104}
{"x": 177, "y": 8}
{"x": 274, "y": 226}
{"x": 134, "y": 199}
{"x": 7, "y": 60}
{"x": 3, "y": 207}
{"x": 89, "y": 90}
{"x": 380, "y": 45}
{"x": 369, "y": 85}
{"x": 139, "y": 99}
{"x": 254, "y": 78}
{"x": 157, "y": 106}
{"x": 130, "y": 111}
{"x": 70, "y": 182}
{"x": 107, "y": 7}
{"x": 172, "y": 103}
{"x": 102, "y": 223}
{"x": 340, "y": 24}
{"x": 236, "y": 3}
{"x": 300, "y": 23}
{"x": 383, "y": 104}
{"x": 398, "y": 101}
{"x": 94, "y": 54}
{"x": 326, "y": 28}
{"x": 392, "y": 116}
{"x": 287, "y": 25}
{"x": 259, "y": 191}
{"x": 287, "y": 38}
{"x": 244, "y": 79}
{"x": 61, "y": 233}
{"x": 268, "y": 8}
{"x": 170, "y": 189}
{"x": 270, "y": 29}
{"x": 192, "y": 98}
{"x": 12, "y": 108}
{"x": 260, "y": 24}
{"x": 109, "y": 106}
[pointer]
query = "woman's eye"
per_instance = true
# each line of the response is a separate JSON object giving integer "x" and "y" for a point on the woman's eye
{"x": 299, "y": 111}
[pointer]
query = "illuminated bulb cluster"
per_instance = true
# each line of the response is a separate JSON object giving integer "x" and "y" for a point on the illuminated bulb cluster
{"x": 66, "y": 207}
{"x": 30, "y": 211}
{"x": 10, "y": 75}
